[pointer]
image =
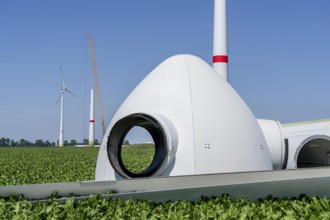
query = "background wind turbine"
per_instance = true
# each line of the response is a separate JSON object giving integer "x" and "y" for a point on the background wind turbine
{"x": 63, "y": 89}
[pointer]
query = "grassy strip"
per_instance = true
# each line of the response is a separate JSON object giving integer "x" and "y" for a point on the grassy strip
{"x": 206, "y": 208}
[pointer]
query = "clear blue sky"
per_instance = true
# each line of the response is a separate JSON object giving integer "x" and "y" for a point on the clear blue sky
{"x": 279, "y": 56}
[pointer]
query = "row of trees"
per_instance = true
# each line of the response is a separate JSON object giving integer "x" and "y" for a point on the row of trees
{"x": 40, "y": 142}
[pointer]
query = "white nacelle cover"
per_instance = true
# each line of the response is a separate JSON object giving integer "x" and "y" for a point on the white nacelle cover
{"x": 272, "y": 131}
{"x": 207, "y": 127}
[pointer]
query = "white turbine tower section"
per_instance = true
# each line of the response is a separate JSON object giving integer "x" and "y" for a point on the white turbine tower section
{"x": 91, "y": 121}
{"x": 63, "y": 89}
{"x": 60, "y": 140}
{"x": 271, "y": 129}
{"x": 220, "y": 57}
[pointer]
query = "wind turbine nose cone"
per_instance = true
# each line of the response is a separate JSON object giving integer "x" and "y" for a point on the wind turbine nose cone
{"x": 200, "y": 114}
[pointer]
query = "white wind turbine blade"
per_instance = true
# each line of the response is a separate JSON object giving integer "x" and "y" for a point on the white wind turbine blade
{"x": 70, "y": 92}
{"x": 60, "y": 96}
{"x": 61, "y": 73}
{"x": 63, "y": 85}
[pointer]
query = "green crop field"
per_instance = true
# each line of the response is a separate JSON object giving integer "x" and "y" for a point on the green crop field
{"x": 137, "y": 158}
{"x": 29, "y": 165}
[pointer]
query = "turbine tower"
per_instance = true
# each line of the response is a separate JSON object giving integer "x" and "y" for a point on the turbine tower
{"x": 63, "y": 89}
{"x": 220, "y": 57}
{"x": 91, "y": 121}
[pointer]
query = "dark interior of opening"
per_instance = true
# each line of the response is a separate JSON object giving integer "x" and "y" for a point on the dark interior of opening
{"x": 315, "y": 153}
{"x": 286, "y": 153}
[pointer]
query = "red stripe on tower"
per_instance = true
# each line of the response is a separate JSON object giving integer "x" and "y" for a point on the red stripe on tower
{"x": 91, "y": 121}
{"x": 220, "y": 59}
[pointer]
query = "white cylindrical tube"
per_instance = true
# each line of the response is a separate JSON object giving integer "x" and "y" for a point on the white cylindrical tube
{"x": 273, "y": 133}
{"x": 220, "y": 58}
{"x": 60, "y": 140}
{"x": 91, "y": 121}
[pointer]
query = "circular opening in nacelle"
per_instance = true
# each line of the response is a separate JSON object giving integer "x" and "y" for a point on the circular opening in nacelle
{"x": 314, "y": 153}
{"x": 137, "y": 150}
{"x": 117, "y": 141}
